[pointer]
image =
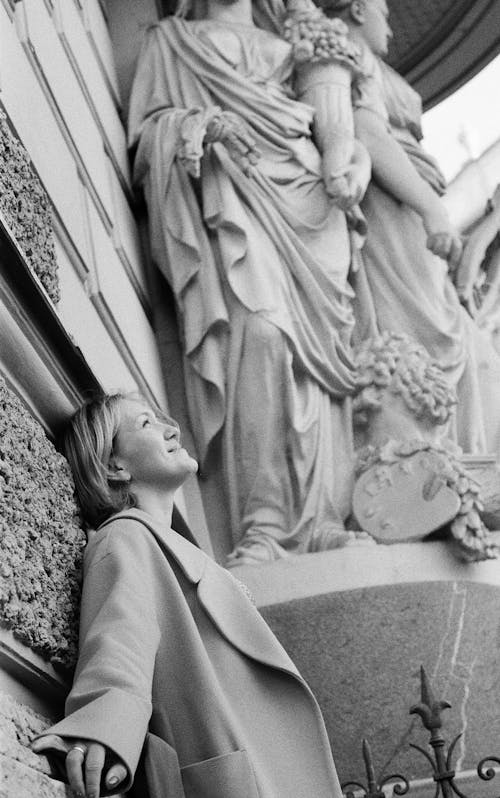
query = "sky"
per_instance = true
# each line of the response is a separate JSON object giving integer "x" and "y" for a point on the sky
{"x": 464, "y": 125}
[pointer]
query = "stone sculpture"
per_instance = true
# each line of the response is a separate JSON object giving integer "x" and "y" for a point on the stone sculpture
{"x": 478, "y": 275}
{"x": 410, "y": 480}
{"x": 257, "y": 255}
{"x": 325, "y": 63}
{"x": 405, "y": 285}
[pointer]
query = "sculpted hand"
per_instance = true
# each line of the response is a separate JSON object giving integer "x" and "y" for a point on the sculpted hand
{"x": 231, "y": 131}
{"x": 442, "y": 238}
{"x": 85, "y": 761}
{"x": 479, "y": 269}
{"x": 348, "y": 190}
{"x": 339, "y": 190}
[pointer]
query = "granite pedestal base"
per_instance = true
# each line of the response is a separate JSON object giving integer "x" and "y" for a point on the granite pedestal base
{"x": 359, "y": 622}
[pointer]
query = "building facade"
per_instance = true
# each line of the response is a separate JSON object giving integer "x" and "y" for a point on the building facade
{"x": 81, "y": 309}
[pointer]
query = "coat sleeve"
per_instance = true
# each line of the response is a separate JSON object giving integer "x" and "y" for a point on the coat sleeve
{"x": 110, "y": 701}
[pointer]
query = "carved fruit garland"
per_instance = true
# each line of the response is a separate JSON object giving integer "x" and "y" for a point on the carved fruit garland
{"x": 315, "y": 38}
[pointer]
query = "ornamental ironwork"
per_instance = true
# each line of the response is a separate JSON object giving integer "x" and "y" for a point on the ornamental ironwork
{"x": 439, "y": 755}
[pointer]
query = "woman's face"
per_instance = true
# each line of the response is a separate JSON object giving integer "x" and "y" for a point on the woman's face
{"x": 148, "y": 449}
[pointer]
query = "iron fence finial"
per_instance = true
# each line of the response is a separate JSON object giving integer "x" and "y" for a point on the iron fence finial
{"x": 429, "y": 709}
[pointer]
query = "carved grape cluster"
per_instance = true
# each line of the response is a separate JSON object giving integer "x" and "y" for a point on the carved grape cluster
{"x": 315, "y": 38}
{"x": 395, "y": 362}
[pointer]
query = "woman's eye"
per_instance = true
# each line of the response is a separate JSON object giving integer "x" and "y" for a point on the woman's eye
{"x": 146, "y": 422}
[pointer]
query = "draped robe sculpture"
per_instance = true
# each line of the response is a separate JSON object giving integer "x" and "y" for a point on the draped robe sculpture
{"x": 407, "y": 287}
{"x": 258, "y": 260}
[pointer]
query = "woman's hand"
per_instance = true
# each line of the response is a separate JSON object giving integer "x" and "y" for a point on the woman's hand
{"x": 85, "y": 761}
{"x": 232, "y": 132}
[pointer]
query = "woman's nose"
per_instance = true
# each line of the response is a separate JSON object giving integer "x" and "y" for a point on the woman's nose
{"x": 170, "y": 431}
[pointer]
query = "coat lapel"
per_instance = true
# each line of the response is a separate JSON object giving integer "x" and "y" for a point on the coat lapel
{"x": 239, "y": 621}
{"x": 191, "y": 559}
{"x": 221, "y": 597}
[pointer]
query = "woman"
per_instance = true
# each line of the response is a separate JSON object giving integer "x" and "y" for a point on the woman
{"x": 174, "y": 661}
{"x": 257, "y": 255}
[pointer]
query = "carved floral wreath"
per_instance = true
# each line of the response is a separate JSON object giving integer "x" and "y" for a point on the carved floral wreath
{"x": 473, "y": 540}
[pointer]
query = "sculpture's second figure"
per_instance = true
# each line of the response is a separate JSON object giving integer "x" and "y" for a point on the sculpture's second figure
{"x": 407, "y": 286}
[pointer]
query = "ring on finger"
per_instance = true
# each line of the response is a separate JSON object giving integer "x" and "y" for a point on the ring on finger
{"x": 78, "y": 748}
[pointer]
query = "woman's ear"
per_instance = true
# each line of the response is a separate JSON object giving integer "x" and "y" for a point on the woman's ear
{"x": 117, "y": 474}
{"x": 357, "y": 10}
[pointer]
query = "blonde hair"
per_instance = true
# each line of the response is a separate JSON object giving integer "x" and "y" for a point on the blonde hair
{"x": 88, "y": 446}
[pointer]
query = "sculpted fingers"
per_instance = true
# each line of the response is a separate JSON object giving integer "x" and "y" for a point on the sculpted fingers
{"x": 437, "y": 243}
{"x": 239, "y": 142}
{"x": 446, "y": 246}
{"x": 455, "y": 252}
{"x": 338, "y": 189}
{"x": 242, "y": 150}
{"x": 235, "y": 143}
{"x": 232, "y": 132}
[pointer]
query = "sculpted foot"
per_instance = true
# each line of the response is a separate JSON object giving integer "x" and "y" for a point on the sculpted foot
{"x": 255, "y": 547}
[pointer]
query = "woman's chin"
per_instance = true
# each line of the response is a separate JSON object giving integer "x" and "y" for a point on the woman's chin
{"x": 193, "y": 465}
{"x": 190, "y": 463}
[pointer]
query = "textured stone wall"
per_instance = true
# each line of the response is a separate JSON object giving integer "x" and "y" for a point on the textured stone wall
{"x": 40, "y": 537}
{"x": 26, "y": 208}
{"x": 23, "y": 774}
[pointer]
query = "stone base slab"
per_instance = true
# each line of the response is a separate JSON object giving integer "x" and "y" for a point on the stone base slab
{"x": 361, "y": 566}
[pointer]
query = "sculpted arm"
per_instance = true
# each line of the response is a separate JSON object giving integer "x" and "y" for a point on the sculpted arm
{"x": 478, "y": 275}
{"x": 395, "y": 173}
{"x": 345, "y": 161}
{"x": 109, "y": 706}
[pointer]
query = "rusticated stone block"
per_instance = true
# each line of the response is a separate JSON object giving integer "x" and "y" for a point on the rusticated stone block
{"x": 40, "y": 537}
{"x": 19, "y": 781}
{"x": 19, "y": 724}
{"x": 23, "y": 774}
{"x": 26, "y": 208}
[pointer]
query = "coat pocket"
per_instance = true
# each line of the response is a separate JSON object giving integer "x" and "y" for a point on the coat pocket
{"x": 227, "y": 776}
{"x": 158, "y": 774}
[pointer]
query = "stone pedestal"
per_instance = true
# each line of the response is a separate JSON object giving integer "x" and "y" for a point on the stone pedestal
{"x": 360, "y": 621}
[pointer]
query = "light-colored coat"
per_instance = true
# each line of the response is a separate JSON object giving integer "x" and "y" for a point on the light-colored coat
{"x": 176, "y": 662}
